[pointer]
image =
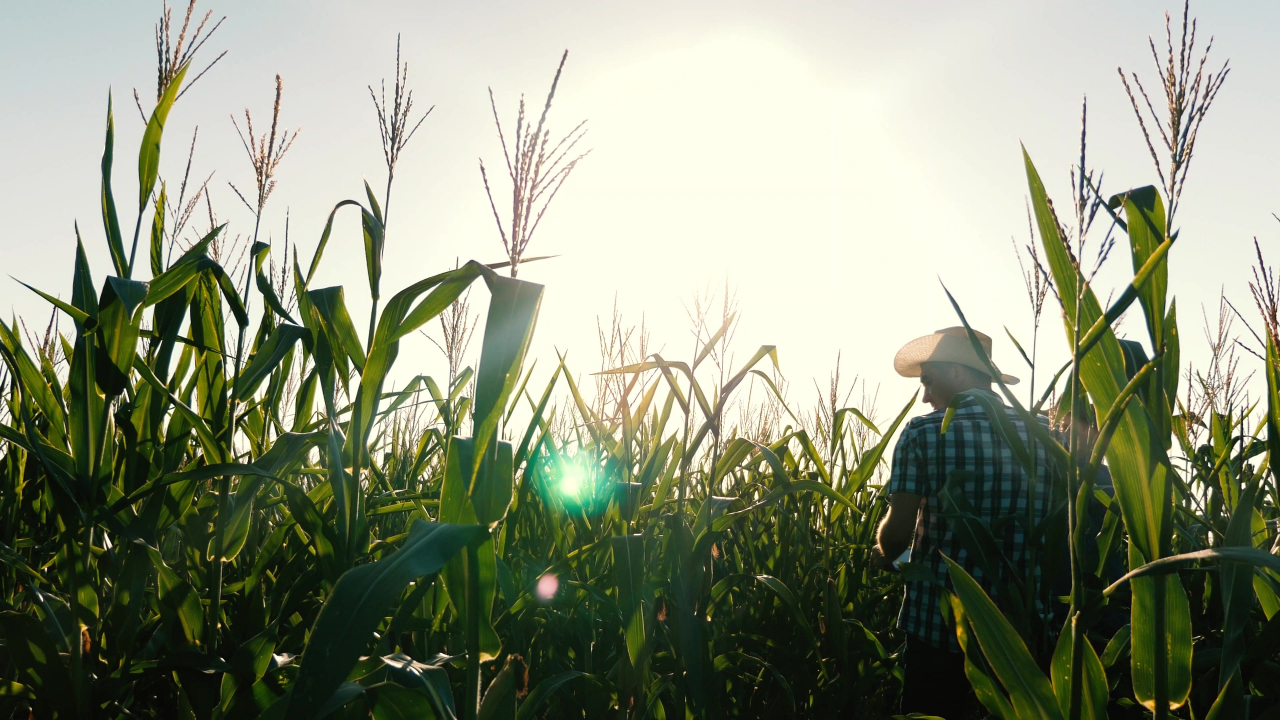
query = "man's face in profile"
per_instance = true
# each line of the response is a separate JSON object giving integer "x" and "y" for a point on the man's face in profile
{"x": 938, "y": 381}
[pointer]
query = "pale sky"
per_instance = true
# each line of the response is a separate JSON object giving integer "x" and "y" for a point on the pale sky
{"x": 832, "y": 160}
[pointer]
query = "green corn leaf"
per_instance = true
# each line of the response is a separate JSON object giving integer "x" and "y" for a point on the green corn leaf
{"x": 234, "y": 302}
{"x": 458, "y": 508}
{"x": 986, "y": 690}
{"x": 204, "y": 472}
{"x": 780, "y": 477}
{"x": 657, "y": 363}
{"x": 110, "y": 221}
{"x": 1147, "y": 601}
{"x": 537, "y": 417}
{"x": 83, "y": 295}
{"x": 33, "y": 383}
{"x": 179, "y": 599}
{"x": 374, "y": 243}
{"x": 259, "y": 253}
{"x": 714, "y": 416}
{"x": 837, "y": 421}
{"x": 792, "y": 604}
{"x": 331, "y": 308}
{"x": 871, "y": 459}
{"x": 76, "y": 314}
{"x": 628, "y": 573}
{"x": 1139, "y": 468}
{"x": 431, "y": 680}
{"x": 710, "y": 344}
{"x": 738, "y": 450}
{"x": 38, "y": 664}
{"x": 119, "y": 319}
{"x": 1230, "y": 701}
{"x": 1095, "y": 690}
{"x": 785, "y": 597}
{"x": 157, "y": 234}
{"x": 149, "y": 153}
{"x": 1172, "y": 356}
{"x": 389, "y": 701}
{"x": 344, "y": 694}
{"x": 1030, "y": 692}
{"x": 236, "y": 529}
{"x": 16, "y": 562}
{"x": 1237, "y": 586}
{"x": 208, "y": 442}
{"x": 811, "y": 452}
{"x": 84, "y": 403}
{"x": 1145, "y": 217}
{"x": 543, "y": 692}
{"x": 719, "y": 524}
{"x": 445, "y": 291}
{"x": 288, "y": 449}
{"x": 268, "y": 357}
{"x": 1116, "y": 646}
{"x": 1248, "y": 555}
{"x": 359, "y": 602}
{"x": 10, "y": 689}
{"x": 1130, "y": 293}
{"x": 182, "y": 271}
{"x": 1271, "y": 371}
{"x": 1018, "y": 346}
{"x": 249, "y": 663}
{"x": 513, "y": 310}
{"x": 373, "y": 202}
{"x": 324, "y": 241}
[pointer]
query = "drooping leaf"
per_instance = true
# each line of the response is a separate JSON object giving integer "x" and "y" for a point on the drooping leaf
{"x": 359, "y": 601}
{"x": 432, "y": 680}
{"x": 1030, "y": 692}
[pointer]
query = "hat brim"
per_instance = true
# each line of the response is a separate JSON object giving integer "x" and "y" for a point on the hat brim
{"x": 942, "y": 348}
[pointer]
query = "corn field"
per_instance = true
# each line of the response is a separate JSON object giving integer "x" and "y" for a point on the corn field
{"x": 215, "y": 504}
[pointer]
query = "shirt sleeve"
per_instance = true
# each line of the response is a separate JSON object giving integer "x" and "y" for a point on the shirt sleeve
{"x": 906, "y": 473}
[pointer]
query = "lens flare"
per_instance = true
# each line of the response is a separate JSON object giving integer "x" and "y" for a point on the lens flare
{"x": 571, "y": 480}
{"x": 547, "y": 587}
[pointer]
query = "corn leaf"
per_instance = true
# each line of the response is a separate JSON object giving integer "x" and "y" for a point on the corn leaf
{"x": 358, "y": 604}
{"x": 1030, "y": 692}
{"x": 149, "y": 153}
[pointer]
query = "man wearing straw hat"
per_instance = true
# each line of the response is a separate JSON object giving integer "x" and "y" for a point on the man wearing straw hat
{"x": 982, "y": 468}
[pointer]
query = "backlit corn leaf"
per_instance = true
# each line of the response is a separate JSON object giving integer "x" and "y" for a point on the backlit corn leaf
{"x": 1030, "y": 692}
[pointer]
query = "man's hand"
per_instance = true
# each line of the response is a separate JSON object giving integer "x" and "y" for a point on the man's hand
{"x": 880, "y": 562}
{"x": 895, "y": 532}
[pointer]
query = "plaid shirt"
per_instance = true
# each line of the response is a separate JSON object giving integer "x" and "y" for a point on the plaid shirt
{"x": 995, "y": 486}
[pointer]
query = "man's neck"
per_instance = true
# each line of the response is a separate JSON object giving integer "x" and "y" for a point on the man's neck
{"x": 986, "y": 389}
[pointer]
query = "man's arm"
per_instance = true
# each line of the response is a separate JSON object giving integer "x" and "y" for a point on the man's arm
{"x": 896, "y": 530}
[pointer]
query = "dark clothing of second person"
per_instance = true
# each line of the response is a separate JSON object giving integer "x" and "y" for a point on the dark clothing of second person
{"x": 934, "y": 683}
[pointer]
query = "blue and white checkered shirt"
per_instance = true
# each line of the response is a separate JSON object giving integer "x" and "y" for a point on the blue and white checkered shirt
{"x": 994, "y": 484}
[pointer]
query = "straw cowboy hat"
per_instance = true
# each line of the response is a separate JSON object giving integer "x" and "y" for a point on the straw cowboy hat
{"x": 947, "y": 345}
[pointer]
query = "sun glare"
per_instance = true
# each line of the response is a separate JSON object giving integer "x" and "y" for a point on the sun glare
{"x": 571, "y": 480}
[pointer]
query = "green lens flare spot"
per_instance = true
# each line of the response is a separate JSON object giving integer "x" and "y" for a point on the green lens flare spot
{"x": 572, "y": 479}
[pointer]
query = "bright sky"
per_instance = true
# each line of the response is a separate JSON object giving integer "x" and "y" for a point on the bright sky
{"x": 833, "y": 160}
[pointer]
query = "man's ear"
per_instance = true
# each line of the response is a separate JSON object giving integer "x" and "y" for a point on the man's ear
{"x": 956, "y": 375}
